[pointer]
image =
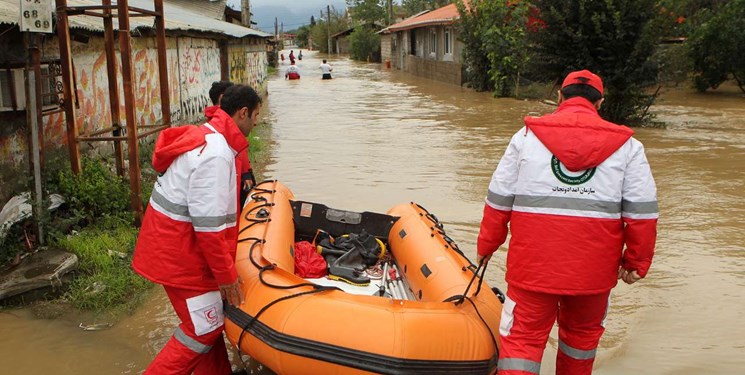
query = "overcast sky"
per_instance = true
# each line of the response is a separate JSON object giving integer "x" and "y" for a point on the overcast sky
{"x": 289, "y": 3}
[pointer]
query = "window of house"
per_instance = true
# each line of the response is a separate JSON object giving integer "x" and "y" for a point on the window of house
{"x": 433, "y": 42}
{"x": 448, "y": 41}
{"x": 9, "y": 81}
{"x": 413, "y": 42}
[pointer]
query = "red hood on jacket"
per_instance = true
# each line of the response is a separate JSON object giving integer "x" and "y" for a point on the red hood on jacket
{"x": 224, "y": 124}
{"x": 577, "y": 135}
{"x": 172, "y": 142}
{"x": 209, "y": 112}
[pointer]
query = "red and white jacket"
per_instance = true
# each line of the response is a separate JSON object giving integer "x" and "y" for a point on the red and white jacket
{"x": 574, "y": 189}
{"x": 188, "y": 235}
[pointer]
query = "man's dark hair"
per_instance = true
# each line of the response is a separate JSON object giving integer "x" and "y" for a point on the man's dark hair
{"x": 324, "y": 61}
{"x": 586, "y": 91}
{"x": 218, "y": 88}
{"x": 239, "y": 96}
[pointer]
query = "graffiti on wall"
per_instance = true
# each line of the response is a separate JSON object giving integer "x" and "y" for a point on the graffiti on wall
{"x": 237, "y": 65}
{"x": 256, "y": 70}
{"x": 199, "y": 66}
{"x": 193, "y": 64}
{"x": 94, "y": 109}
{"x": 248, "y": 67}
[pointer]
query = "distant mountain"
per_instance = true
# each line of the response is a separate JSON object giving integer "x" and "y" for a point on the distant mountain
{"x": 291, "y": 17}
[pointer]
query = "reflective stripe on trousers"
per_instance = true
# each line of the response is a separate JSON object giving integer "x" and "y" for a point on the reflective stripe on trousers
{"x": 527, "y": 319}
{"x": 519, "y": 364}
{"x": 188, "y": 352}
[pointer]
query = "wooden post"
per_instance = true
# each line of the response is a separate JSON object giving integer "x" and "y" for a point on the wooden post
{"x": 125, "y": 50}
{"x": 63, "y": 34}
{"x": 113, "y": 88}
{"x": 160, "y": 38}
{"x": 33, "y": 121}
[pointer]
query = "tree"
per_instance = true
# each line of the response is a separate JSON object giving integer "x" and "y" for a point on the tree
{"x": 312, "y": 21}
{"x": 325, "y": 27}
{"x": 716, "y": 48}
{"x": 613, "y": 38}
{"x": 415, "y": 6}
{"x": 367, "y": 11}
{"x": 301, "y": 36}
{"x": 364, "y": 44}
{"x": 493, "y": 33}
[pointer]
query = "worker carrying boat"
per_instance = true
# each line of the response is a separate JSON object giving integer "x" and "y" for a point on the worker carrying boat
{"x": 574, "y": 190}
{"x": 188, "y": 237}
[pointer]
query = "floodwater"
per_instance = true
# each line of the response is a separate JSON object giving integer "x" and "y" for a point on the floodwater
{"x": 372, "y": 138}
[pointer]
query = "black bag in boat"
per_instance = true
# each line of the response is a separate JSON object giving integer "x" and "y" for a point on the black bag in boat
{"x": 364, "y": 244}
{"x": 348, "y": 256}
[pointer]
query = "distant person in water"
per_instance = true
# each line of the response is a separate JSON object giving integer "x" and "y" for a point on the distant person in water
{"x": 282, "y": 57}
{"x": 300, "y": 55}
{"x": 326, "y": 70}
{"x": 292, "y": 72}
{"x": 292, "y": 57}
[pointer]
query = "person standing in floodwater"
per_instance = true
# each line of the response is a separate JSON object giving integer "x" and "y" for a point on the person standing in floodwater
{"x": 300, "y": 55}
{"x": 574, "y": 189}
{"x": 325, "y": 70}
{"x": 292, "y": 57}
{"x": 188, "y": 238}
{"x": 292, "y": 72}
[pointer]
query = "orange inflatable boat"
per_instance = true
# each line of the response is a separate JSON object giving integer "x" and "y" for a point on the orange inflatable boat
{"x": 446, "y": 319}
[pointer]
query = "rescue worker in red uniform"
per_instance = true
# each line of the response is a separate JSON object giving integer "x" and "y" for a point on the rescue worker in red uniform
{"x": 574, "y": 189}
{"x": 188, "y": 237}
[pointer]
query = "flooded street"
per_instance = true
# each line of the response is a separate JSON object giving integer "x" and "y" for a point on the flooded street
{"x": 371, "y": 138}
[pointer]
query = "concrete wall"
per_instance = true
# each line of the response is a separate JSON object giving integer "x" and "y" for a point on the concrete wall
{"x": 442, "y": 71}
{"x": 193, "y": 64}
{"x": 386, "y": 47}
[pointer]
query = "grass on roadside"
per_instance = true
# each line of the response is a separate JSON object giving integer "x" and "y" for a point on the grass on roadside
{"x": 106, "y": 279}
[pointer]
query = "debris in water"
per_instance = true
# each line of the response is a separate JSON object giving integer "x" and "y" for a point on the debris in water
{"x": 95, "y": 327}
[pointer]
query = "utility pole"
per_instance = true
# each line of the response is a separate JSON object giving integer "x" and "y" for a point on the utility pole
{"x": 328, "y": 25}
{"x": 276, "y": 30}
{"x": 390, "y": 12}
{"x": 246, "y": 13}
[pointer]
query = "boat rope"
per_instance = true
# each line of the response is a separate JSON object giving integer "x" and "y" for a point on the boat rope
{"x": 439, "y": 228}
{"x": 255, "y": 318}
{"x": 493, "y": 338}
{"x": 459, "y": 299}
{"x": 256, "y": 196}
{"x": 264, "y": 217}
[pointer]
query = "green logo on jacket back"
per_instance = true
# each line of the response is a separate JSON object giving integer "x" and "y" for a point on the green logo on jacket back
{"x": 567, "y": 179}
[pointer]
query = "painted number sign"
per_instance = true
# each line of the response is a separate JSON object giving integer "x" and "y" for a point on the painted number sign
{"x": 36, "y": 16}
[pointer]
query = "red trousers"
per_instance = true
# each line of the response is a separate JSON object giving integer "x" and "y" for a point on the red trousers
{"x": 197, "y": 346}
{"x": 527, "y": 319}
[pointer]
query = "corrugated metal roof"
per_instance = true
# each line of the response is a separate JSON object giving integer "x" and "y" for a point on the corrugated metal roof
{"x": 177, "y": 18}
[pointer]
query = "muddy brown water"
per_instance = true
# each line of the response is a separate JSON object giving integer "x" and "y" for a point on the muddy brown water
{"x": 371, "y": 138}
